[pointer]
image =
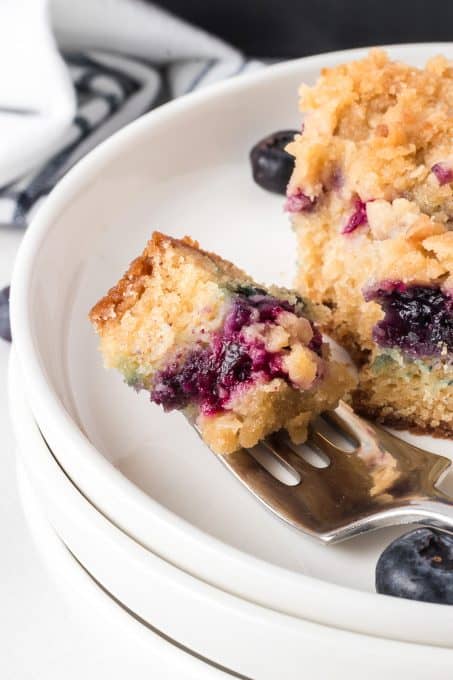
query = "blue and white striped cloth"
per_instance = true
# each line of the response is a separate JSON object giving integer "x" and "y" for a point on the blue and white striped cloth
{"x": 159, "y": 57}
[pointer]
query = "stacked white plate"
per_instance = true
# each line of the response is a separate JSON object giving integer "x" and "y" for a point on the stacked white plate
{"x": 134, "y": 494}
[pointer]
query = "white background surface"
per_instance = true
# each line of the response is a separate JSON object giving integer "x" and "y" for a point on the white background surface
{"x": 54, "y": 623}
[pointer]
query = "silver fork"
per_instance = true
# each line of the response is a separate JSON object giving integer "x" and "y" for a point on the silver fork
{"x": 383, "y": 482}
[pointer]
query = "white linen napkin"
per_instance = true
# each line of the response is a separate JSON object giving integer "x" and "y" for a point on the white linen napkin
{"x": 121, "y": 59}
{"x": 37, "y": 99}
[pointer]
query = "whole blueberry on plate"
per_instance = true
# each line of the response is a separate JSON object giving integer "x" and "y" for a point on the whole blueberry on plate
{"x": 418, "y": 566}
{"x": 5, "y": 328}
{"x": 271, "y": 164}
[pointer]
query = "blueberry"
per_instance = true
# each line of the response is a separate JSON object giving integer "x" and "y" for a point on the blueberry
{"x": 443, "y": 173}
{"x": 236, "y": 365}
{"x": 358, "y": 217}
{"x": 5, "y": 328}
{"x": 418, "y": 566}
{"x": 271, "y": 164}
{"x": 247, "y": 290}
{"x": 418, "y": 319}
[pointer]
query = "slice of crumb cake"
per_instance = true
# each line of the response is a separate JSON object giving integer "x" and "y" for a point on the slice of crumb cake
{"x": 199, "y": 335}
{"x": 372, "y": 202}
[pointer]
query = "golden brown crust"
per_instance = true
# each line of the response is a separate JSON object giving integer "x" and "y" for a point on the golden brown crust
{"x": 124, "y": 295}
{"x": 360, "y": 404}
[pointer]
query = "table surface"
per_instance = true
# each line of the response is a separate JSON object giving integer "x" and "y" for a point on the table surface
{"x": 54, "y": 621}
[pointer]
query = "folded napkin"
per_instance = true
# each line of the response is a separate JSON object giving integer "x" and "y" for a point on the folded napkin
{"x": 82, "y": 70}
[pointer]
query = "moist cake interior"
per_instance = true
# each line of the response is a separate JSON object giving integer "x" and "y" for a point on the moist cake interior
{"x": 240, "y": 359}
{"x": 371, "y": 202}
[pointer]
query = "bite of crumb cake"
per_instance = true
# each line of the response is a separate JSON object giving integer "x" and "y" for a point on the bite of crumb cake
{"x": 239, "y": 359}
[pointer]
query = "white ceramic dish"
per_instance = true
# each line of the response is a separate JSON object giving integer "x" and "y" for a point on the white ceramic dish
{"x": 184, "y": 169}
{"x": 241, "y": 636}
{"x": 162, "y": 658}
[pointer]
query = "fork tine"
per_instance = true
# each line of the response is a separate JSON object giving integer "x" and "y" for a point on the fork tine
{"x": 375, "y": 435}
{"x": 325, "y": 445}
{"x": 383, "y": 481}
{"x": 361, "y": 430}
{"x": 303, "y": 509}
{"x": 247, "y": 468}
{"x": 287, "y": 455}
{"x": 343, "y": 427}
{"x": 284, "y": 501}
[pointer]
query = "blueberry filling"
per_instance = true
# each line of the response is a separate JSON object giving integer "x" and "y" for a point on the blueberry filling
{"x": 443, "y": 173}
{"x": 336, "y": 180}
{"x": 298, "y": 202}
{"x": 247, "y": 290}
{"x": 208, "y": 375}
{"x": 417, "y": 319}
{"x": 358, "y": 217}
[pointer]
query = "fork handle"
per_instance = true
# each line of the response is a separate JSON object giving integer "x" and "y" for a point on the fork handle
{"x": 435, "y": 512}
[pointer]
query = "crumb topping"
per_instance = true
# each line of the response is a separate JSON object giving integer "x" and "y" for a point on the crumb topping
{"x": 384, "y": 131}
{"x": 386, "y": 127}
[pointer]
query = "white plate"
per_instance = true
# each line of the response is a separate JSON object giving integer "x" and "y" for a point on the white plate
{"x": 141, "y": 652}
{"x": 243, "y": 637}
{"x": 184, "y": 169}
